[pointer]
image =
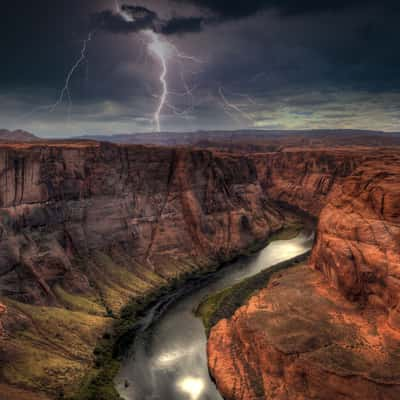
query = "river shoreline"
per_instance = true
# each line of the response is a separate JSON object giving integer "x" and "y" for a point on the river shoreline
{"x": 113, "y": 347}
{"x": 223, "y": 304}
{"x": 169, "y": 360}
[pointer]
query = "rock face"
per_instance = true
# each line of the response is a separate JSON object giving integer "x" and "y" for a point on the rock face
{"x": 60, "y": 203}
{"x": 86, "y": 227}
{"x": 329, "y": 330}
{"x": 299, "y": 339}
{"x": 302, "y": 177}
{"x": 3, "y": 310}
{"x": 358, "y": 241}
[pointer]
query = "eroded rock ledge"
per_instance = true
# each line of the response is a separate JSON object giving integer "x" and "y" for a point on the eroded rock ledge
{"x": 299, "y": 339}
{"x": 328, "y": 330}
{"x": 87, "y": 227}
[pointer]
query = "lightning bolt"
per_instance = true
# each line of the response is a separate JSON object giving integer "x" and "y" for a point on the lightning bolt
{"x": 65, "y": 91}
{"x": 162, "y": 50}
{"x": 159, "y": 50}
{"x": 235, "y": 107}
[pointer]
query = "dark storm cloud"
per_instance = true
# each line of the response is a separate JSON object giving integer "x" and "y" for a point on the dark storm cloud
{"x": 138, "y": 18}
{"x": 38, "y": 38}
{"x": 289, "y": 63}
{"x": 180, "y": 25}
{"x": 227, "y": 9}
{"x": 139, "y": 13}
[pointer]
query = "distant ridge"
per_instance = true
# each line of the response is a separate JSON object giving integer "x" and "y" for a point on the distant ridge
{"x": 17, "y": 136}
{"x": 204, "y": 138}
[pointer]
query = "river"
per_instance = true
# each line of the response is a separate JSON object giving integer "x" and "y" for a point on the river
{"x": 168, "y": 359}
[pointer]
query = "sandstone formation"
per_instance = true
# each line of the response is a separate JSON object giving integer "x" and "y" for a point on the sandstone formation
{"x": 358, "y": 241}
{"x": 61, "y": 203}
{"x": 85, "y": 227}
{"x": 329, "y": 330}
{"x": 3, "y": 310}
{"x": 299, "y": 339}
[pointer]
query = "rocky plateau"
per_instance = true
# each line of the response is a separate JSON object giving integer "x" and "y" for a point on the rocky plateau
{"x": 87, "y": 227}
{"x": 330, "y": 329}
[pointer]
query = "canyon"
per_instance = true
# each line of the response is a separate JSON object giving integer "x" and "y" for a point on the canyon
{"x": 87, "y": 227}
{"x": 328, "y": 330}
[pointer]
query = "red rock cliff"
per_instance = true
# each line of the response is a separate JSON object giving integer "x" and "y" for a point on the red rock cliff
{"x": 330, "y": 329}
{"x": 63, "y": 203}
{"x": 86, "y": 227}
{"x": 358, "y": 241}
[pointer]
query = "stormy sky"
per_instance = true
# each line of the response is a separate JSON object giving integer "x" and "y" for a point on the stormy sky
{"x": 265, "y": 64}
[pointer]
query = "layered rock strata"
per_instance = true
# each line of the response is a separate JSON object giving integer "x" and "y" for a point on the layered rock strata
{"x": 299, "y": 339}
{"x": 329, "y": 330}
{"x": 87, "y": 227}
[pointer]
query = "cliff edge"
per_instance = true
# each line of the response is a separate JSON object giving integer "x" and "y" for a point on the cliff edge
{"x": 329, "y": 329}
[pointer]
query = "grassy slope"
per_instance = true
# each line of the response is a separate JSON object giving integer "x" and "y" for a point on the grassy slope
{"x": 99, "y": 383}
{"x": 52, "y": 347}
{"x": 100, "y": 386}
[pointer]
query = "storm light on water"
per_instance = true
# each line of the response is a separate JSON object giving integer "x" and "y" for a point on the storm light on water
{"x": 192, "y": 386}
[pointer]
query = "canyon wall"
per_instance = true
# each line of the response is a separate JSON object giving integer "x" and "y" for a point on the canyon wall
{"x": 59, "y": 205}
{"x": 330, "y": 329}
{"x": 358, "y": 241}
{"x": 355, "y": 193}
{"x": 87, "y": 227}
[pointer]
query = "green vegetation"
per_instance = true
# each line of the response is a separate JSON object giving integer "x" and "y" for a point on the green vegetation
{"x": 115, "y": 284}
{"x": 51, "y": 348}
{"x": 99, "y": 383}
{"x": 286, "y": 233}
{"x": 223, "y": 304}
{"x": 78, "y": 303}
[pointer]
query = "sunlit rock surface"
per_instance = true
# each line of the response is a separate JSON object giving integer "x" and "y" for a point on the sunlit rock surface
{"x": 329, "y": 330}
{"x": 299, "y": 339}
{"x": 358, "y": 241}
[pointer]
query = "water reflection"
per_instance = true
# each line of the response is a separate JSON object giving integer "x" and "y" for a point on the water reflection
{"x": 169, "y": 360}
{"x": 171, "y": 357}
{"x": 192, "y": 386}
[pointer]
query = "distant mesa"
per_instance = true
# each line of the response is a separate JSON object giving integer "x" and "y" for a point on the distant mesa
{"x": 245, "y": 140}
{"x": 17, "y": 136}
{"x": 255, "y": 140}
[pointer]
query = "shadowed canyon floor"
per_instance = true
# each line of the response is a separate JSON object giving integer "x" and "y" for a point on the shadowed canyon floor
{"x": 87, "y": 228}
